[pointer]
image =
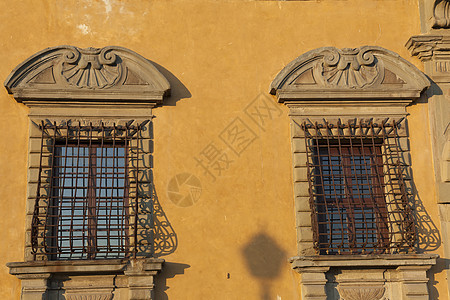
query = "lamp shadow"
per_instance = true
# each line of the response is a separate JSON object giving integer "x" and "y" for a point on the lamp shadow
{"x": 264, "y": 260}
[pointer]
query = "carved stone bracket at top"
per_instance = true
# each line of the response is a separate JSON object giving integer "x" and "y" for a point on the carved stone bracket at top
{"x": 441, "y": 14}
{"x": 368, "y": 72}
{"x": 434, "y": 51}
{"x": 69, "y": 73}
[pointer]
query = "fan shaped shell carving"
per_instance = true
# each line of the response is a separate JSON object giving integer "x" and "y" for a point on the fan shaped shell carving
{"x": 93, "y": 75}
{"x": 352, "y": 68}
{"x": 91, "y": 68}
{"x": 361, "y": 293}
{"x": 368, "y": 72}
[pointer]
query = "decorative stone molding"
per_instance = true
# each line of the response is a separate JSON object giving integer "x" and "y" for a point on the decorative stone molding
{"x": 368, "y": 261}
{"x": 365, "y": 277}
{"x": 441, "y": 14}
{"x": 88, "y": 280}
{"x": 445, "y": 173}
{"x": 313, "y": 282}
{"x": 434, "y": 51}
{"x": 90, "y": 75}
{"x": 361, "y": 293}
{"x": 368, "y": 72}
{"x": 90, "y": 297}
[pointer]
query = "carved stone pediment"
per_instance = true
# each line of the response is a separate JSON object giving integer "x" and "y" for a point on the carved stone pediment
{"x": 91, "y": 74}
{"x": 368, "y": 72}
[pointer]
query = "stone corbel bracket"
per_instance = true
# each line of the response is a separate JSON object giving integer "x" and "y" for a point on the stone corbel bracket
{"x": 368, "y": 72}
{"x": 434, "y": 51}
{"x": 93, "y": 75}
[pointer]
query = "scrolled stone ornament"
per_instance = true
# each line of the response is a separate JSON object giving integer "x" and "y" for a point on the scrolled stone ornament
{"x": 92, "y": 68}
{"x": 441, "y": 14}
{"x": 331, "y": 57}
{"x": 349, "y": 68}
{"x": 365, "y": 57}
{"x": 71, "y": 55}
{"x": 107, "y": 56}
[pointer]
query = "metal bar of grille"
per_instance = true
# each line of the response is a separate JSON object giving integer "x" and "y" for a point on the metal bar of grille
{"x": 358, "y": 196}
{"x": 136, "y": 200}
{"x": 83, "y": 208}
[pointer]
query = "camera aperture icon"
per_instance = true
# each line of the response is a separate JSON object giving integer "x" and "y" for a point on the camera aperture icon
{"x": 184, "y": 189}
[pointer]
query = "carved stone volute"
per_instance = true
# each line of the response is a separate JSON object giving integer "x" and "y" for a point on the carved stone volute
{"x": 441, "y": 14}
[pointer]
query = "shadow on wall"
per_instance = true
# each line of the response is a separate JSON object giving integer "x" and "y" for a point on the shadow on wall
{"x": 264, "y": 259}
{"x": 165, "y": 239}
{"x": 427, "y": 233}
{"x": 169, "y": 270}
{"x": 178, "y": 90}
{"x": 441, "y": 265}
{"x": 428, "y": 236}
{"x": 156, "y": 235}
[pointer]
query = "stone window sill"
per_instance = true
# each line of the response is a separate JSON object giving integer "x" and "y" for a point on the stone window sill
{"x": 87, "y": 279}
{"x": 382, "y": 260}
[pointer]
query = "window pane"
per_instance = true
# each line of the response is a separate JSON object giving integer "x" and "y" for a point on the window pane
{"x": 348, "y": 209}
{"x": 90, "y": 202}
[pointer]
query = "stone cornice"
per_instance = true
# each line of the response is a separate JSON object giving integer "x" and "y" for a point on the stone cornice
{"x": 434, "y": 51}
{"x": 427, "y": 46}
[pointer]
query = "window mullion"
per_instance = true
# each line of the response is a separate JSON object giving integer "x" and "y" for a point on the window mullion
{"x": 91, "y": 198}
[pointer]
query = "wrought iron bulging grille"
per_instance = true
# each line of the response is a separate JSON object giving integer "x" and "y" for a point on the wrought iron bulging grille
{"x": 357, "y": 177}
{"x": 90, "y": 191}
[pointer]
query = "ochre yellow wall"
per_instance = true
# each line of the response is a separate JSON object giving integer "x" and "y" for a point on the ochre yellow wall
{"x": 223, "y": 55}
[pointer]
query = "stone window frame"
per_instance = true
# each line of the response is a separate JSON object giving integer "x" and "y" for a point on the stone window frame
{"x": 44, "y": 241}
{"x": 370, "y": 83}
{"x": 111, "y": 85}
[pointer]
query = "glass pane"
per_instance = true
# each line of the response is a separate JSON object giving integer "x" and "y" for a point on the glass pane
{"x": 361, "y": 177}
{"x": 89, "y": 196}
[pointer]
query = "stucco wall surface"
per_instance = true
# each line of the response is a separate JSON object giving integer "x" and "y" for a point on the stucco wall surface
{"x": 234, "y": 239}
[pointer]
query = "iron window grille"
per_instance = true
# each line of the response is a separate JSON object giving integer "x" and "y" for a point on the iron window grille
{"x": 357, "y": 185}
{"x": 88, "y": 192}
